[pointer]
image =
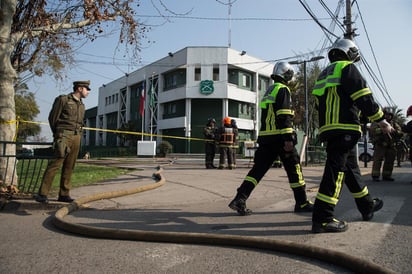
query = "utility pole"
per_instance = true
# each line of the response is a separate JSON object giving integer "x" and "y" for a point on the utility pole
{"x": 349, "y": 34}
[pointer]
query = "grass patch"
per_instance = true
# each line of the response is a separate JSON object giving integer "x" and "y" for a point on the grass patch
{"x": 30, "y": 175}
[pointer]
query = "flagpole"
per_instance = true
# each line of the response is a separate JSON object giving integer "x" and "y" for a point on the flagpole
{"x": 151, "y": 109}
{"x": 144, "y": 105}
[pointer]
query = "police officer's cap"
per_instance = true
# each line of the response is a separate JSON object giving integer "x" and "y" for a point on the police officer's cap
{"x": 85, "y": 84}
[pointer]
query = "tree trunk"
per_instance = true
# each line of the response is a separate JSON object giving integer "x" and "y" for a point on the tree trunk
{"x": 7, "y": 106}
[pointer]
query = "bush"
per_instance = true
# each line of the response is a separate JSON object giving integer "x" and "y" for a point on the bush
{"x": 164, "y": 148}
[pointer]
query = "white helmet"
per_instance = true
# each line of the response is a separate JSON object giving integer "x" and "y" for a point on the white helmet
{"x": 284, "y": 70}
{"x": 345, "y": 46}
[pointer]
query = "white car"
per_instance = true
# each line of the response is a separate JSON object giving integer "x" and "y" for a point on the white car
{"x": 362, "y": 156}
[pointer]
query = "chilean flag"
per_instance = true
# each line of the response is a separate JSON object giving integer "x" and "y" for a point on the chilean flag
{"x": 141, "y": 100}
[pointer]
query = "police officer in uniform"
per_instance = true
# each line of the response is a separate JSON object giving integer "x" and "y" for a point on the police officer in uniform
{"x": 341, "y": 92}
{"x": 384, "y": 149}
{"x": 276, "y": 138}
{"x": 210, "y": 146}
{"x": 66, "y": 122}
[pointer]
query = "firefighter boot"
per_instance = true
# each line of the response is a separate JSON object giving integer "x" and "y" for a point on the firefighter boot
{"x": 332, "y": 226}
{"x": 239, "y": 204}
{"x": 368, "y": 207}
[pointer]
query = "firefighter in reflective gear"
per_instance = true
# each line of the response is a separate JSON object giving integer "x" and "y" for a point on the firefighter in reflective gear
{"x": 226, "y": 139}
{"x": 408, "y": 130}
{"x": 235, "y": 145}
{"x": 341, "y": 92}
{"x": 66, "y": 122}
{"x": 209, "y": 133}
{"x": 276, "y": 138}
{"x": 384, "y": 149}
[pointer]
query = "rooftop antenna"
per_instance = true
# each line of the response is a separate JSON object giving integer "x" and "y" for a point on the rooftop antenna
{"x": 229, "y": 18}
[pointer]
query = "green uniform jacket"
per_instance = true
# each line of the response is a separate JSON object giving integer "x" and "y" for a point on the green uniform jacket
{"x": 67, "y": 113}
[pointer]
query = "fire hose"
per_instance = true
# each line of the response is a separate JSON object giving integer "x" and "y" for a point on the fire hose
{"x": 334, "y": 257}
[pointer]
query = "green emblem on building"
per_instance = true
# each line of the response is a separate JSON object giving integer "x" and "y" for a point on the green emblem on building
{"x": 206, "y": 87}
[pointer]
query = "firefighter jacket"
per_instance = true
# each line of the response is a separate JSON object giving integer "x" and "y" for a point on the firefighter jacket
{"x": 276, "y": 115}
{"x": 67, "y": 113}
{"x": 209, "y": 133}
{"x": 342, "y": 93}
{"x": 379, "y": 138}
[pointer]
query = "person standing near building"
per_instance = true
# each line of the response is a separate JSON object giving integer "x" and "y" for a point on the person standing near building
{"x": 235, "y": 145}
{"x": 210, "y": 145}
{"x": 384, "y": 149}
{"x": 342, "y": 92}
{"x": 66, "y": 122}
{"x": 407, "y": 128}
{"x": 226, "y": 137}
{"x": 276, "y": 137}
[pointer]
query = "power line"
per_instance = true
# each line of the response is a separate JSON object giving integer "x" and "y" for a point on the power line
{"x": 227, "y": 19}
{"x": 383, "y": 85}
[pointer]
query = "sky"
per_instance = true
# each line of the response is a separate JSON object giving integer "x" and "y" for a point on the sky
{"x": 266, "y": 29}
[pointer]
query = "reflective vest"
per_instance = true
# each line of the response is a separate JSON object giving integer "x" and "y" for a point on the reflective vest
{"x": 227, "y": 136}
{"x": 268, "y": 126}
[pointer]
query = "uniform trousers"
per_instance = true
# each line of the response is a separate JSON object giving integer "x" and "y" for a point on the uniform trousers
{"x": 385, "y": 154}
{"x": 265, "y": 155}
{"x": 210, "y": 151}
{"x": 72, "y": 144}
{"x": 341, "y": 167}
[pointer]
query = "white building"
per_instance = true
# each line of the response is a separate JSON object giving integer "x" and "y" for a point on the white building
{"x": 182, "y": 90}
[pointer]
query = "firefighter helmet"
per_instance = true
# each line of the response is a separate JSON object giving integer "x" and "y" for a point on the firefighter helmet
{"x": 210, "y": 120}
{"x": 226, "y": 120}
{"x": 283, "y": 70}
{"x": 409, "y": 111}
{"x": 344, "y": 48}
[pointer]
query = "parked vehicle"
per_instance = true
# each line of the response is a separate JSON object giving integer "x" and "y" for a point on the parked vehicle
{"x": 365, "y": 156}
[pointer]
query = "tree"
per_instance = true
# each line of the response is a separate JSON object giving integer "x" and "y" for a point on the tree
{"x": 27, "y": 110}
{"x": 298, "y": 99}
{"x": 39, "y": 36}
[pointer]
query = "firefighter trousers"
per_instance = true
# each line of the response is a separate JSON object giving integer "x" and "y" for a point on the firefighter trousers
{"x": 265, "y": 155}
{"x": 341, "y": 167}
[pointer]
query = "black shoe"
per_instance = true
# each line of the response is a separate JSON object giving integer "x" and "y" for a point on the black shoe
{"x": 213, "y": 166}
{"x": 388, "y": 179}
{"x": 377, "y": 204}
{"x": 239, "y": 205}
{"x": 41, "y": 199}
{"x": 305, "y": 207}
{"x": 65, "y": 199}
{"x": 332, "y": 226}
{"x": 375, "y": 178}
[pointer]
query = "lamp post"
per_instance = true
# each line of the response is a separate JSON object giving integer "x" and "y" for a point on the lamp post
{"x": 305, "y": 88}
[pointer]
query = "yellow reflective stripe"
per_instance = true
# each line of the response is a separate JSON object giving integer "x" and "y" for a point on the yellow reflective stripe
{"x": 376, "y": 116}
{"x": 360, "y": 93}
{"x": 327, "y": 199}
{"x": 336, "y": 105}
{"x": 251, "y": 179}
{"x": 286, "y": 130}
{"x": 340, "y": 126}
{"x": 285, "y": 111}
{"x": 339, "y": 182}
{"x": 269, "y": 132}
{"x": 361, "y": 194}
{"x": 301, "y": 181}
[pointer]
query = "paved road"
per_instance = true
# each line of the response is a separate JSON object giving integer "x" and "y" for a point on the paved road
{"x": 195, "y": 200}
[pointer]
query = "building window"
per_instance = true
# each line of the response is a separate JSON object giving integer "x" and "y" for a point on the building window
{"x": 243, "y": 79}
{"x": 198, "y": 74}
{"x": 215, "y": 72}
{"x": 263, "y": 83}
{"x": 174, "y": 79}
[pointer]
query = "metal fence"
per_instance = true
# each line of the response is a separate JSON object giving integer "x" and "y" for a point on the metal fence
{"x": 28, "y": 163}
